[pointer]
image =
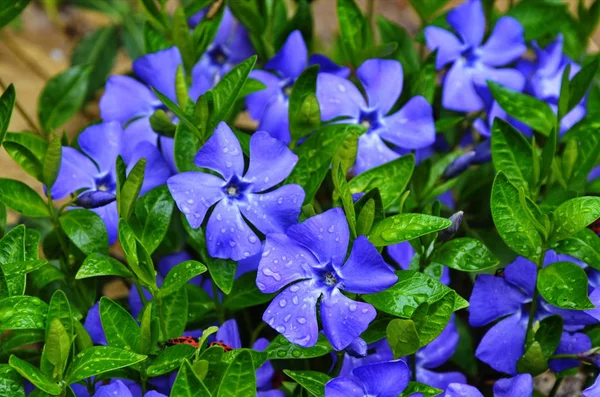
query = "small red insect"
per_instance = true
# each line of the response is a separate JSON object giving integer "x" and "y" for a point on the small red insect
{"x": 182, "y": 340}
{"x": 225, "y": 347}
{"x": 595, "y": 226}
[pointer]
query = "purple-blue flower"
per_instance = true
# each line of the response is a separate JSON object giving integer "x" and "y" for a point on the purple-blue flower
{"x": 472, "y": 62}
{"x": 311, "y": 256}
{"x": 270, "y": 106}
{"x": 384, "y": 379}
{"x": 509, "y": 297}
{"x": 544, "y": 79}
{"x": 95, "y": 170}
{"x": 519, "y": 386}
{"x": 230, "y": 46}
{"x": 238, "y": 194}
{"x": 120, "y": 389}
{"x": 593, "y": 390}
{"x": 411, "y": 127}
{"x": 403, "y": 254}
{"x": 131, "y": 102}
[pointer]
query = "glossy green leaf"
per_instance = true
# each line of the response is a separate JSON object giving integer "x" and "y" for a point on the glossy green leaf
{"x": 19, "y": 255}
{"x": 131, "y": 189}
{"x": 86, "y": 230}
{"x": 405, "y": 53}
{"x": 466, "y": 254}
{"x": 532, "y": 111}
{"x": 187, "y": 144}
{"x": 584, "y": 245}
{"x": 404, "y": 227}
{"x": 57, "y": 347}
{"x": 245, "y": 293}
{"x": 411, "y": 290}
{"x": 35, "y": 376}
{"x": 20, "y": 341}
{"x": 314, "y": 382}
{"x": 187, "y": 384}
{"x": 353, "y": 26}
{"x": 132, "y": 248}
{"x": 100, "y": 359}
{"x": 222, "y": 272}
{"x": 573, "y": 215}
{"x": 549, "y": 333}
{"x": 216, "y": 367}
{"x": 403, "y": 337}
{"x": 343, "y": 194}
{"x": 417, "y": 387}
{"x": 304, "y": 113}
{"x": 581, "y": 83}
{"x": 52, "y": 162}
{"x": 427, "y": 8}
{"x": 172, "y": 310}
{"x": 588, "y": 152}
{"x": 60, "y": 309}
{"x": 22, "y": 312}
{"x": 181, "y": 115}
{"x": 239, "y": 378}
{"x": 63, "y": 96}
{"x": 11, "y": 9}
{"x": 281, "y": 349}
{"x": 102, "y": 265}
{"x": 151, "y": 217}
{"x": 179, "y": 276}
{"x": 148, "y": 330}
{"x": 7, "y": 103}
{"x": 512, "y": 154}
{"x": 170, "y": 358}
{"x": 11, "y": 384}
{"x": 512, "y": 221}
{"x": 120, "y": 328}
{"x": 533, "y": 361}
{"x": 182, "y": 38}
{"x": 25, "y": 158}
{"x": 565, "y": 285}
{"x": 395, "y": 175}
{"x": 22, "y": 198}
{"x": 431, "y": 319}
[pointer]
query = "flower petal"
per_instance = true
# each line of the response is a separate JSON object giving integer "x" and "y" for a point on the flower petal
{"x": 461, "y": 390}
{"x": 344, "y": 319}
{"x": 522, "y": 273}
{"x": 506, "y": 43}
{"x": 382, "y": 80}
{"x": 222, "y": 153}
{"x": 412, "y": 127}
{"x": 593, "y": 390}
{"x": 117, "y": 388}
{"x": 440, "y": 349}
{"x": 364, "y": 257}
{"x": 493, "y": 297}
{"x": 503, "y": 345}
{"x": 446, "y": 43}
{"x": 227, "y": 234}
{"x": 275, "y": 211}
{"x": 158, "y": 70}
{"x": 125, "y": 98}
{"x": 283, "y": 261}
{"x": 372, "y": 152}
{"x": 293, "y": 313}
{"x": 292, "y": 58}
{"x": 343, "y": 386}
{"x": 110, "y": 217}
{"x": 570, "y": 343}
{"x": 507, "y": 77}
{"x": 76, "y": 172}
{"x": 402, "y": 254}
{"x": 326, "y": 65}
{"x": 157, "y": 170}
{"x": 274, "y": 119}
{"x": 549, "y": 59}
{"x": 137, "y": 131}
{"x": 519, "y": 386}
{"x": 264, "y": 373}
{"x": 194, "y": 193}
{"x": 102, "y": 143}
{"x": 258, "y": 101}
{"x": 439, "y": 380}
{"x": 93, "y": 325}
{"x": 326, "y": 235}
{"x": 468, "y": 21}
{"x": 386, "y": 379}
{"x": 459, "y": 92}
{"x": 338, "y": 97}
{"x": 229, "y": 334}
{"x": 271, "y": 161}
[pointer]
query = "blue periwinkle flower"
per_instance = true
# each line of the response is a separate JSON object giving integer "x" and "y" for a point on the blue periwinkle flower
{"x": 473, "y": 62}
{"x": 519, "y": 386}
{"x": 95, "y": 170}
{"x": 311, "y": 256}
{"x": 593, "y": 390}
{"x": 411, "y": 127}
{"x": 238, "y": 193}
{"x": 119, "y": 388}
{"x": 384, "y": 379}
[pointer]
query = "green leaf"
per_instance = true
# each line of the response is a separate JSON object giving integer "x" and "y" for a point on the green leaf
{"x": 584, "y": 245}
{"x": 406, "y": 54}
{"x": 35, "y": 376}
{"x": 19, "y": 250}
{"x": 131, "y": 189}
{"x": 11, "y": 384}
{"x": 22, "y": 198}
{"x": 581, "y": 83}
{"x": 315, "y": 154}
{"x": 98, "y": 49}
{"x": 431, "y": 319}
{"x": 342, "y": 193}
{"x": 403, "y": 337}
{"x": 394, "y": 174}
{"x": 25, "y": 158}
{"x": 222, "y": 272}
{"x": 244, "y": 293}
{"x": 216, "y": 367}
{"x": 239, "y": 378}
{"x": 534, "y": 16}
{"x": 314, "y": 382}
{"x": 187, "y": 144}
{"x": 170, "y": 358}
{"x": 573, "y": 215}
{"x": 533, "y": 361}
{"x": 172, "y": 310}
{"x": 98, "y": 264}
{"x": 148, "y": 330}
{"x": 181, "y": 115}
{"x": 20, "y": 341}
{"x": 282, "y": 349}
{"x": 534, "y": 112}
{"x": 100, "y": 359}
{"x": 404, "y": 227}
{"x": 417, "y": 387}
{"x": 22, "y": 312}
{"x": 63, "y": 96}
{"x": 204, "y": 33}
{"x": 86, "y": 230}
{"x": 187, "y": 383}
{"x": 142, "y": 267}
{"x": 564, "y": 285}
{"x": 228, "y": 89}
{"x": 10, "y": 10}
{"x": 60, "y": 309}
{"x": 120, "y": 328}
{"x": 352, "y": 25}
{"x": 57, "y": 347}
{"x": 549, "y": 333}
{"x": 466, "y": 254}
{"x": 512, "y": 154}
{"x": 427, "y": 8}
{"x": 512, "y": 221}
{"x": 548, "y": 154}
{"x": 52, "y": 162}
{"x": 151, "y": 217}
{"x": 7, "y": 103}
{"x": 411, "y": 290}
{"x": 304, "y": 113}
{"x": 179, "y": 276}
{"x": 183, "y": 39}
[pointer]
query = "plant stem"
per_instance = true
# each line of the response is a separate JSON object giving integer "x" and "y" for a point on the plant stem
{"x": 559, "y": 356}
{"x": 555, "y": 387}
{"x": 413, "y": 367}
{"x": 256, "y": 332}
{"x": 371, "y": 12}
{"x": 218, "y": 306}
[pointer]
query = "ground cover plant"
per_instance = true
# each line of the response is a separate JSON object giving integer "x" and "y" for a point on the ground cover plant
{"x": 398, "y": 215}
